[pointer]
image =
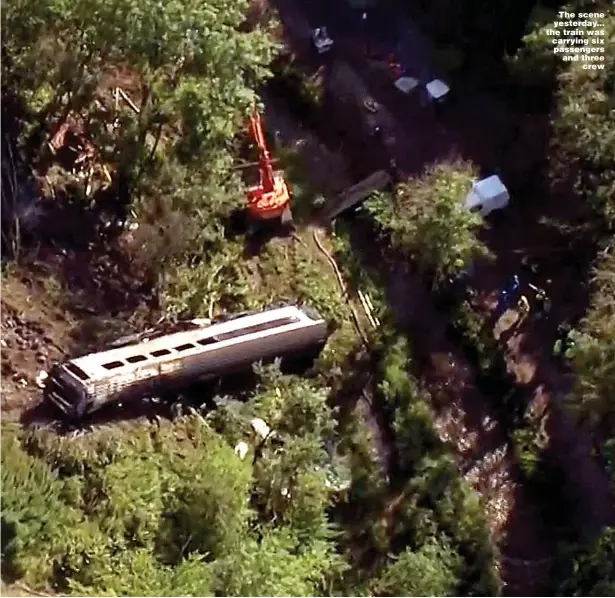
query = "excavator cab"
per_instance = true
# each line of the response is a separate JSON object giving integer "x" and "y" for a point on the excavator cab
{"x": 269, "y": 199}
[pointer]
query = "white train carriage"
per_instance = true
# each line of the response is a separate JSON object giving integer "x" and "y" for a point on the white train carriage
{"x": 82, "y": 385}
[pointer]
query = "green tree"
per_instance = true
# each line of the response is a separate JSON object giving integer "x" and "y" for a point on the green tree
{"x": 207, "y": 512}
{"x": 192, "y": 66}
{"x": 411, "y": 417}
{"x": 428, "y": 222}
{"x": 137, "y": 572}
{"x": 593, "y": 355}
{"x": 582, "y": 151}
{"x": 33, "y": 514}
{"x": 587, "y": 570}
{"x": 429, "y": 571}
{"x": 278, "y": 565}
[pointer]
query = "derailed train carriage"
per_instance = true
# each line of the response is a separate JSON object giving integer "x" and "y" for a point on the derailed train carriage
{"x": 148, "y": 365}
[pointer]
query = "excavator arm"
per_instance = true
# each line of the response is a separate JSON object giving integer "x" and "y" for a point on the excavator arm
{"x": 265, "y": 166}
{"x": 270, "y": 198}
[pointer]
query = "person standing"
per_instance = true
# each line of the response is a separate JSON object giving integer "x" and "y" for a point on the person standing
{"x": 503, "y": 304}
{"x": 543, "y": 304}
{"x": 524, "y": 307}
{"x": 514, "y": 285}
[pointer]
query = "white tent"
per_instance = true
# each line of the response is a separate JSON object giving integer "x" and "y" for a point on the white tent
{"x": 406, "y": 84}
{"x": 437, "y": 89}
{"x": 487, "y": 195}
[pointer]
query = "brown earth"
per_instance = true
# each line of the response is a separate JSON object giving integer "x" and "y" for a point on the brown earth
{"x": 34, "y": 330}
{"x": 63, "y": 301}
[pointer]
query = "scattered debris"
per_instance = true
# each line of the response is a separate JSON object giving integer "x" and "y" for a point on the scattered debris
{"x": 321, "y": 39}
{"x": 260, "y": 427}
{"x": 40, "y": 379}
{"x": 368, "y": 307}
{"x": 120, "y": 92}
{"x": 359, "y": 192}
{"x": 242, "y": 449}
{"x": 78, "y": 155}
{"x": 371, "y": 105}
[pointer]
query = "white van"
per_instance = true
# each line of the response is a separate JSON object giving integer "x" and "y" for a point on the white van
{"x": 487, "y": 195}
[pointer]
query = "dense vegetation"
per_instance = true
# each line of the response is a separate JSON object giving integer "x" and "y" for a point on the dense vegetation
{"x": 333, "y": 503}
{"x": 582, "y": 152}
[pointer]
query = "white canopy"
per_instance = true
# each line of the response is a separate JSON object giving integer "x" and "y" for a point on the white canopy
{"x": 406, "y": 84}
{"x": 437, "y": 89}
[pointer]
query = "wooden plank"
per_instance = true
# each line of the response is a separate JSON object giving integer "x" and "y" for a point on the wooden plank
{"x": 359, "y": 192}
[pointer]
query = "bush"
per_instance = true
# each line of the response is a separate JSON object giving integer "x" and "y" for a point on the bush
{"x": 427, "y": 221}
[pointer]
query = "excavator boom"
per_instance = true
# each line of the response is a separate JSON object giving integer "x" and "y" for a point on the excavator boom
{"x": 270, "y": 198}
{"x": 265, "y": 166}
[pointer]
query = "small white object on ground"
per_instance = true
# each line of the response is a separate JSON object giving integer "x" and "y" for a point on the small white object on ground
{"x": 241, "y": 449}
{"x": 260, "y": 427}
{"x": 40, "y": 379}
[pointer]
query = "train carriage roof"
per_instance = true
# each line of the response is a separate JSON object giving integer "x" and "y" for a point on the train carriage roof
{"x": 98, "y": 365}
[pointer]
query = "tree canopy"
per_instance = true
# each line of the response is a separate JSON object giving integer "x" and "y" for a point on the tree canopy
{"x": 428, "y": 222}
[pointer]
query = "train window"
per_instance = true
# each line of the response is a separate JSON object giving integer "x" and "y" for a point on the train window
{"x": 184, "y": 347}
{"x": 113, "y": 365}
{"x": 207, "y": 341}
{"x": 136, "y": 359}
{"x": 160, "y": 352}
{"x": 73, "y": 369}
{"x": 256, "y": 328}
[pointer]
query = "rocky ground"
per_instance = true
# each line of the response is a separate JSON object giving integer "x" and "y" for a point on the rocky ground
{"x": 34, "y": 333}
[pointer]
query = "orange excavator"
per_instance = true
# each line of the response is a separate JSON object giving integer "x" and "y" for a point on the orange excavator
{"x": 269, "y": 200}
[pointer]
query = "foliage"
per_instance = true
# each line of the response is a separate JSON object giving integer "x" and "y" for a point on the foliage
{"x": 30, "y": 492}
{"x": 428, "y": 222}
{"x": 411, "y": 418}
{"x": 277, "y": 565}
{"x": 206, "y": 512}
{"x": 431, "y": 570}
{"x": 170, "y": 513}
{"x": 593, "y": 356}
{"x": 583, "y": 142}
{"x": 434, "y": 499}
{"x": 193, "y": 68}
{"x": 535, "y": 64}
{"x": 587, "y": 570}
{"x": 480, "y": 31}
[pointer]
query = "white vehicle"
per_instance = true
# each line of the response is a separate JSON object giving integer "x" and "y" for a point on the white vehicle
{"x": 487, "y": 195}
{"x": 168, "y": 361}
{"x": 437, "y": 90}
{"x": 321, "y": 39}
{"x": 406, "y": 84}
